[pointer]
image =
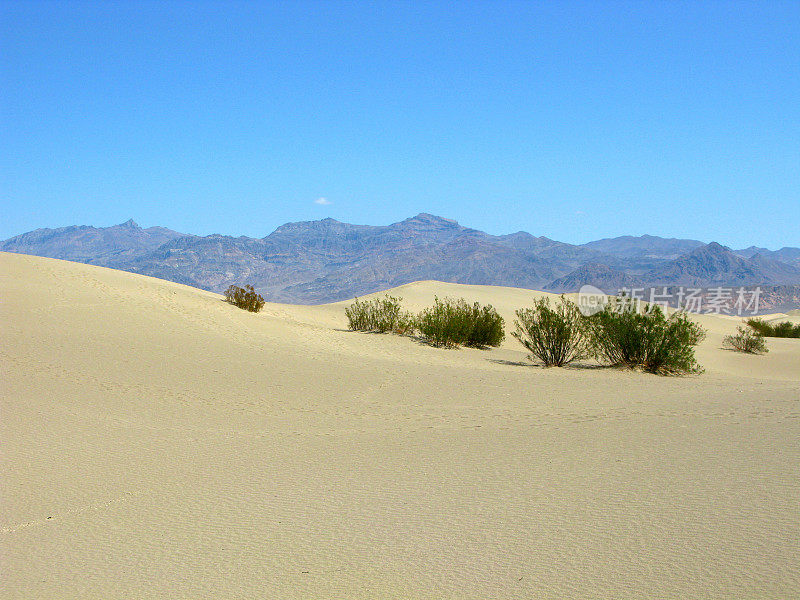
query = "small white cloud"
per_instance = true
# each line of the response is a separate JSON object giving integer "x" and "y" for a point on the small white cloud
{"x": 322, "y": 201}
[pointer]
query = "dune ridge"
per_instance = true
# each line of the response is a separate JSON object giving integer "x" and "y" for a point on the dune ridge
{"x": 158, "y": 442}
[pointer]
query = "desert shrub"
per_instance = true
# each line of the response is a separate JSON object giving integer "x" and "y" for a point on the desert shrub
{"x": 624, "y": 334}
{"x": 379, "y": 315}
{"x": 745, "y": 340}
{"x": 487, "y": 326}
{"x": 555, "y": 335}
{"x": 445, "y": 323}
{"x": 244, "y": 297}
{"x": 784, "y": 329}
{"x": 452, "y": 323}
{"x": 358, "y": 315}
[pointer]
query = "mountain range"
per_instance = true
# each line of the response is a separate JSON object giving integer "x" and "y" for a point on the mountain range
{"x": 323, "y": 261}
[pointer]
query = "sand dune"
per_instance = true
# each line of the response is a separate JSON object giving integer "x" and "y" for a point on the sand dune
{"x": 160, "y": 443}
{"x": 793, "y": 316}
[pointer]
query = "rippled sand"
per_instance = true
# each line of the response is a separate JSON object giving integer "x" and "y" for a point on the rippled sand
{"x": 160, "y": 443}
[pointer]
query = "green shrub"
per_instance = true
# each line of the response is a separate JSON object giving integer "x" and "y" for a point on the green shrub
{"x": 746, "y": 340}
{"x": 555, "y": 335}
{"x": 487, "y": 327}
{"x": 445, "y": 323}
{"x": 625, "y": 335}
{"x": 784, "y": 329}
{"x": 379, "y": 315}
{"x": 452, "y": 323}
{"x": 246, "y": 298}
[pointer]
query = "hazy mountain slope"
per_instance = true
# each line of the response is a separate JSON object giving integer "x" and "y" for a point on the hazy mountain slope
{"x": 751, "y": 251}
{"x": 788, "y": 255}
{"x": 598, "y": 275}
{"x": 108, "y": 246}
{"x": 327, "y": 260}
{"x": 214, "y": 262}
{"x": 715, "y": 264}
{"x": 645, "y": 246}
{"x": 465, "y": 259}
{"x": 320, "y": 261}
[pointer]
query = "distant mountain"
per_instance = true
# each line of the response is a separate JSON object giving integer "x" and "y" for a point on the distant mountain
{"x": 645, "y": 246}
{"x": 751, "y": 251}
{"x": 107, "y": 246}
{"x": 716, "y": 265}
{"x": 324, "y": 261}
{"x": 462, "y": 259}
{"x": 786, "y": 255}
{"x": 320, "y": 261}
{"x": 600, "y": 276}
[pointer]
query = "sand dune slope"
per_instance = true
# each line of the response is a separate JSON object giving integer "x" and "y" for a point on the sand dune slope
{"x": 160, "y": 443}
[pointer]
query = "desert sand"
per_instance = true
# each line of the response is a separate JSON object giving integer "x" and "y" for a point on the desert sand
{"x": 160, "y": 443}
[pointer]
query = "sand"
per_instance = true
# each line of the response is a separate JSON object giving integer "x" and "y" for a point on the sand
{"x": 159, "y": 443}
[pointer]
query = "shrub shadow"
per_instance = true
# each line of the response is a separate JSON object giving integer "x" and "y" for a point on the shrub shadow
{"x": 576, "y": 366}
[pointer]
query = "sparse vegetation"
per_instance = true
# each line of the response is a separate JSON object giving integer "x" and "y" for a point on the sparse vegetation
{"x": 555, "y": 335}
{"x": 785, "y": 329}
{"x": 745, "y": 340}
{"x": 625, "y": 334}
{"x": 244, "y": 297}
{"x": 451, "y": 323}
{"x": 379, "y": 315}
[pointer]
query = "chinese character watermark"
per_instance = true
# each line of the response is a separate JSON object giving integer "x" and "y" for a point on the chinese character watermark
{"x": 717, "y": 301}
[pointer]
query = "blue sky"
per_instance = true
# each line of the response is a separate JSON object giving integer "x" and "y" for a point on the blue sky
{"x": 574, "y": 120}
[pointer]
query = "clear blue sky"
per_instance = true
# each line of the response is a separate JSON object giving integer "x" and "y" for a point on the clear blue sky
{"x": 572, "y": 120}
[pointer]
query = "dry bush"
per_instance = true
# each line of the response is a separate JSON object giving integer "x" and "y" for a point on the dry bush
{"x": 379, "y": 315}
{"x": 555, "y": 335}
{"x": 244, "y": 297}
{"x": 745, "y": 340}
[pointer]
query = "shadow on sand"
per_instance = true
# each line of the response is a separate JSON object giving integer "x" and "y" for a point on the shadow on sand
{"x": 576, "y": 366}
